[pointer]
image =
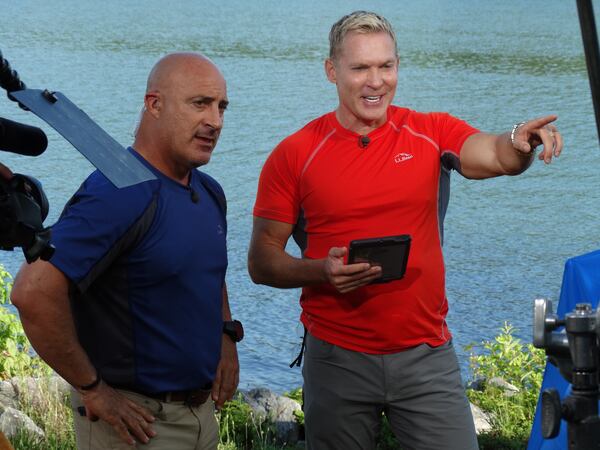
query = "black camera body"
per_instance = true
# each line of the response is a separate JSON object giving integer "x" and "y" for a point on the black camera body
{"x": 23, "y": 203}
{"x": 23, "y": 208}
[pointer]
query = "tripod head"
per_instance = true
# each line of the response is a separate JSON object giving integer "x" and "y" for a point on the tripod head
{"x": 575, "y": 351}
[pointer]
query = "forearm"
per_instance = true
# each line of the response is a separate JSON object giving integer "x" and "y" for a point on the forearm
{"x": 485, "y": 155}
{"x": 225, "y": 306}
{"x": 275, "y": 267}
{"x": 54, "y": 339}
{"x": 511, "y": 160}
{"x": 46, "y": 316}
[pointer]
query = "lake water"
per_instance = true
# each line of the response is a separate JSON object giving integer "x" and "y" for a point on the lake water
{"x": 490, "y": 63}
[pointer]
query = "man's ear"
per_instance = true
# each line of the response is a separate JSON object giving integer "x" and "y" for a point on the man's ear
{"x": 153, "y": 103}
{"x": 330, "y": 70}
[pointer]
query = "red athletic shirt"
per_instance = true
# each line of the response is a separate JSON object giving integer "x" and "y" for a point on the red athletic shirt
{"x": 346, "y": 191}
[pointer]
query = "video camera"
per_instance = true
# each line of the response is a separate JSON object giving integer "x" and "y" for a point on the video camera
{"x": 574, "y": 350}
{"x": 23, "y": 203}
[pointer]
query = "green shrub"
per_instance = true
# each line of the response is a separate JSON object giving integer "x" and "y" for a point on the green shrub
{"x": 386, "y": 440}
{"x": 16, "y": 355}
{"x": 240, "y": 428}
{"x": 296, "y": 394}
{"x": 18, "y": 360}
{"x": 519, "y": 364}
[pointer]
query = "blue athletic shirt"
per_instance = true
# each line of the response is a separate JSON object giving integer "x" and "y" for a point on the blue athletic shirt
{"x": 147, "y": 265}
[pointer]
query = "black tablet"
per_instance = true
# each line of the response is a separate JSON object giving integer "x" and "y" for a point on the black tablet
{"x": 389, "y": 252}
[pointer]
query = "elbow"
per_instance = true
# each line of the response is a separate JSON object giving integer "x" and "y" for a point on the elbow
{"x": 260, "y": 267}
{"x": 22, "y": 296}
{"x": 255, "y": 271}
{"x": 28, "y": 290}
{"x": 516, "y": 169}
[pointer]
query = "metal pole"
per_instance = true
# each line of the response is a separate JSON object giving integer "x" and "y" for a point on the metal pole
{"x": 592, "y": 55}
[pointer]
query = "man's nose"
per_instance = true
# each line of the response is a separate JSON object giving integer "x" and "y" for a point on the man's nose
{"x": 214, "y": 118}
{"x": 374, "y": 78}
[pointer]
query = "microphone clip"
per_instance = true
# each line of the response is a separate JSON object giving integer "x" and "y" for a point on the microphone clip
{"x": 363, "y": 141}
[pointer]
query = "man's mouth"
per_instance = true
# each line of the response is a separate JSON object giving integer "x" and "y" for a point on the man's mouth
{"x": 208, "y": 141}
{"x": 373, "y": 99}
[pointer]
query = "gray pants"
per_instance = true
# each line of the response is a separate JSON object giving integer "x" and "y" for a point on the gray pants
{"x": 419, "y": 390}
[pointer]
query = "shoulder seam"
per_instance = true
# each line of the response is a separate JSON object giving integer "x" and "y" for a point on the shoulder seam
{"x": 420, "y": 135}
{"x": 315, "y": 151}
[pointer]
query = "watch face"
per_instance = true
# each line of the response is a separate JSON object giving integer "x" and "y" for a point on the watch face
{"x": 234, "y": 330}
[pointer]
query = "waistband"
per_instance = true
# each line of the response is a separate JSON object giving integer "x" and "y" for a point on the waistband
{"x": 190, "y": 397}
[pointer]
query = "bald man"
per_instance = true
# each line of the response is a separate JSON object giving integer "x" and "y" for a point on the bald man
{"x": 132, "y": 309}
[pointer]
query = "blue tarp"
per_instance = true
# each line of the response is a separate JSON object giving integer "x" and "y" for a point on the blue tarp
{"x": 581, "y": 284}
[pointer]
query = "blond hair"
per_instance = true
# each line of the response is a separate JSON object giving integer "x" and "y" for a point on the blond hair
{"x": 363, "y": 22}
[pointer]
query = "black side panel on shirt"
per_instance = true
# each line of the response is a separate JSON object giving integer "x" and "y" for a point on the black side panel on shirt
{"x": 299, "y": 232}
{"x": 101, "y": 307}
{"x": 449, "y": 162}
{"x": 217, "y": 195}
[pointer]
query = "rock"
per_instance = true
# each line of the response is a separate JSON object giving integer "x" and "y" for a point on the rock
{"x": 8, "y": 396}
{"x": 477, "y": 384}
{"x": 279, "y": 410}
{"x": 12, "y": 420}
{"x": 509, "y": 389}
{"x": 261, "y": 400}
{"x": 38, "y": 391}
{"x": 286, "y": 426}
{"x": 481, "y": 420}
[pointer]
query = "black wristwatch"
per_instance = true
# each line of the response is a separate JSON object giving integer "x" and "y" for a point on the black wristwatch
{"x": 234, "y": 329}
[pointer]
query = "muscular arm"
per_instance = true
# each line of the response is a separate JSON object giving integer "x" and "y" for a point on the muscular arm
{"x": 488, "y": 155}
{"x": 270, "y": 264}
{"x": 40, "y": 293}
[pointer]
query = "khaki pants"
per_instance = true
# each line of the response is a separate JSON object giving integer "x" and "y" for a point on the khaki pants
{"x": 177, "y": 426}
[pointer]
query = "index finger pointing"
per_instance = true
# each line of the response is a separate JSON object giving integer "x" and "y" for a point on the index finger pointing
{"x": 541, "y": 121}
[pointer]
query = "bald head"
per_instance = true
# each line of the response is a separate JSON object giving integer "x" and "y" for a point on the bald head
{"x": 186, "y": 97}
{"x": 176, "y": 65}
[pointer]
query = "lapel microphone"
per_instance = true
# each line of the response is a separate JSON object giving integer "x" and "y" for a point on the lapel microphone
{"x": 194, "y": 195}
{"x": 363, "y": 141}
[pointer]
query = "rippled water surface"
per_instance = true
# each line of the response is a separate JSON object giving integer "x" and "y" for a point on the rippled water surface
{"x": 490, "y": 63}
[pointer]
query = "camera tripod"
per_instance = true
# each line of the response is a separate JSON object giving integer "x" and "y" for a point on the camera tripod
{"x": 575, "y": 351}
